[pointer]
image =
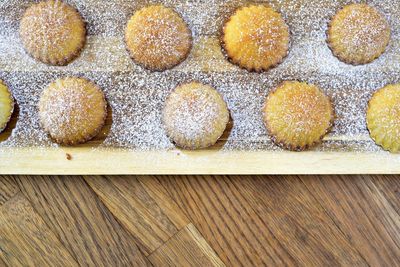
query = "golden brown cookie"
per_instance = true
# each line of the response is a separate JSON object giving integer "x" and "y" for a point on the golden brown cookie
{"x": 6, "y": 105}
{"x": 297, "y": 115}
{"x": 52, "y": 32}
{"x": 195, "y": 116}
{"x": 358, "y": 34}
{"x": 256, "y": 37}
{"x": 72, "y": 110}
{"x": 158, "y": 38}
{"x": 383, "y": 117}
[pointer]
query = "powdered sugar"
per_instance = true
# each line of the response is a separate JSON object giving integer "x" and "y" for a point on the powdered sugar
{"x": 358, "y": 33}
{"x": 157, "y": 38}
{"x": 137, "y": 96}
{"x": 52, "y": 32}
{"x": 195, "y": 115}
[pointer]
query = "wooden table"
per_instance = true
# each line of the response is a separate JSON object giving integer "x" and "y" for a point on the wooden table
{"x": 200, "y": 220}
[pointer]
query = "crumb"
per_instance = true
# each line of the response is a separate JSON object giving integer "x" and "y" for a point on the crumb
{"x": 69, "y": 157}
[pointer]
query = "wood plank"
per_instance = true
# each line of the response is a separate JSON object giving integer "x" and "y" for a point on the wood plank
{"x": 186, "y": 248}
{"x": 8, "y": 188}
{"x": 232, "y": 227}
{"x": 262, "y": 221}
{"x": 144, "y": 210}
{"x": 389, "y": 185}
{"x": 26, "y": 240}
{"x": 116, "y": 161}
{"x": 363, "y": 213}
{"x": 82, "y": 223}
{"x": 2, "y": 263}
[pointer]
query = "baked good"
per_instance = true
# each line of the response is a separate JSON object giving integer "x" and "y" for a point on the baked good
{"x": 297, "y": 115}
{"x": 6, "y": 105}
{"x": 256, "y": 37}
{"x": 358, "y": 34}
{"x": 72, "y": 110}
{"x": 52, "y": 32}
{"x": 383, "y": 117}
{"x": 195, "y": 116}
{"x": 158, "y": 38}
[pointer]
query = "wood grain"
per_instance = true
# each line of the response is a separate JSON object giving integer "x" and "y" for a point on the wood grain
{"x": 86, "y": 160}
{"x": 389, "y": 186}
{"x": 144, "y": 210}
{"x": 262, "y": 221}
{"x": 241, "y": 221}
{"x": 26, "y": 240}
{"x": 188, "y": 248}
{"x": 164, "y": 233}
{"x": 2, "y": 263}
{"x": 82, "y": 223}
{"x": 8, "y": 188}
{"x": 363, "y": 213}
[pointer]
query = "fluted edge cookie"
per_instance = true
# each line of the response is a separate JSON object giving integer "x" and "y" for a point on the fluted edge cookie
{"x": 383, "y": 117}
{"x": 157, "y": 38}
{"x": 358, "y": 34}
{"x": 53, "y": 32}
{"x": 297, "y": 115}
{"x": 255, "y": 38}
{"x": 6, "y": 105}
{"x": 195, "y": 116}
{"x": 72, "y": 110}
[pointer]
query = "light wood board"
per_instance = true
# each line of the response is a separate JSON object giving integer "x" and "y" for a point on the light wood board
{"x": 106, "y": 161}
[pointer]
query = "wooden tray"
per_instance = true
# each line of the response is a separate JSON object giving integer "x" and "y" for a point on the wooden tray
{"x": 206, "y": 57}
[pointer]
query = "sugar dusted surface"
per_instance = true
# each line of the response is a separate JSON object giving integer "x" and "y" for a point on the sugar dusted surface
{"x": 137, "y": 96}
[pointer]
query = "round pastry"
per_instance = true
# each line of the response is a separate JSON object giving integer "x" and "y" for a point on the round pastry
{"x": 256, "y": 38}
{"x": 297, "y": 115}
{"x": 6, "y": 106}
{"x": 72, "y": 110}
{"x": 195, "y": 116}
{"x": 383, "y": 117}
{"x": 358, "y": 34}
{"x": 52, "y": 32}
{"x": 158, "y": 38}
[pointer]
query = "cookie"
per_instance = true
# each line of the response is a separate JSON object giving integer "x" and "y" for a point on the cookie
{"x": 195, "y": 116}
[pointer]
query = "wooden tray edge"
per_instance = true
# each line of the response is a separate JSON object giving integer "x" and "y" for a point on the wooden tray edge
{"x": 54, "y": 161}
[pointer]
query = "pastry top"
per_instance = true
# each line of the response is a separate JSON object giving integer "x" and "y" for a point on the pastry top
{"x": 358, "y": 34}
{"x": 256, "y": 37}
{"x": 298, "y": 115}
{"x": 195, "y": 115}
{"x": 158, "y": 38}
{"x": 52, "y": 32}
{"x": 383, "y": 117}
{"x": 72, "y": 110}
{"x": 6, "y": 105}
